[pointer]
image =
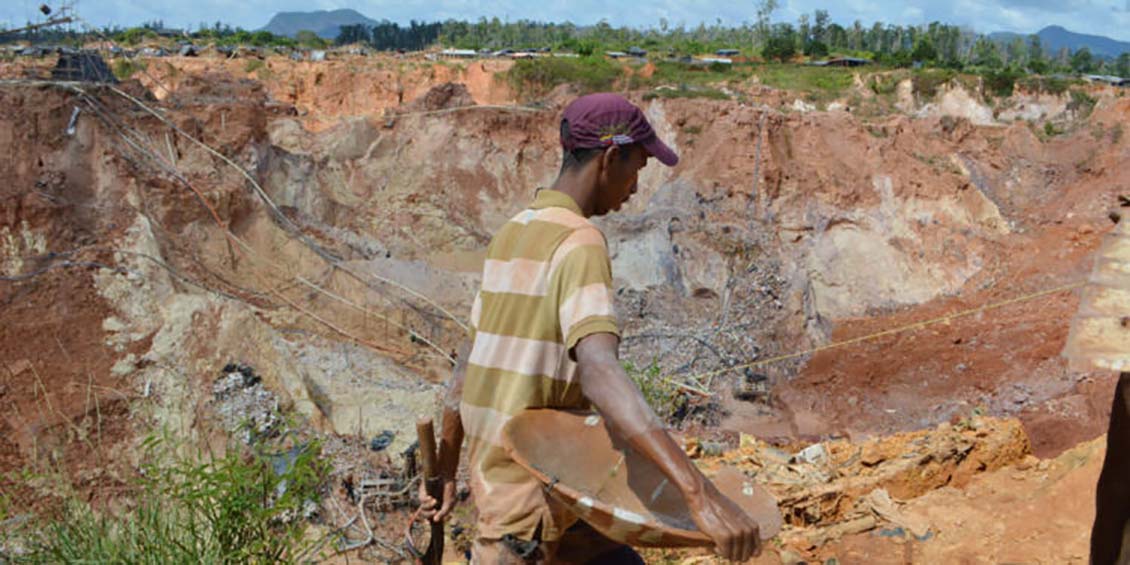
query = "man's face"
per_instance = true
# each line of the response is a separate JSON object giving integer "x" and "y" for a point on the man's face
{"x": 620, "y": 176}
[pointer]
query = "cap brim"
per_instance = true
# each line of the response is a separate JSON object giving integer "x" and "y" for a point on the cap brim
{"x": 660, "y": 151}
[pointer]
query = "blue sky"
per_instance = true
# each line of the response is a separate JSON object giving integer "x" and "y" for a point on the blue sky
{"x": 1101, "y": 17}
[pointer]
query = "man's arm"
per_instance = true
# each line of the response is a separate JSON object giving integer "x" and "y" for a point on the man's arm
{"x": 623, "y": 407}
{"x": 450, "y": 440}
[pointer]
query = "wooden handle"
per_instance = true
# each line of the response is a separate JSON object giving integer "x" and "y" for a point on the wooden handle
{"x": 434, "y": 486}
{"x": 426, "y": 433}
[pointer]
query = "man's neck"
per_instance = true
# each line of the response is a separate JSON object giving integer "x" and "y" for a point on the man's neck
{"x": 578, "y": 185}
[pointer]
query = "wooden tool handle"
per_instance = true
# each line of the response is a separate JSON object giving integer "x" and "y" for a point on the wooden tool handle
{"x": 426, "y": 433}
{"x": 434, "y": 486}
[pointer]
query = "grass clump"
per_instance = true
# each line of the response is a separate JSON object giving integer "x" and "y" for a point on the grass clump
{"x": 253, "y": 65}
{"x": 531, "y": 78}
{"x": 123, "y": 68}
{"x": 1081, "y": 104}
{"x": 927, "y": 82}
{"x": 819, "y": 81}
{"x": 239, "y": 508}
{"x": 661, "y": 394}
{"x": 1045, "y": 85}
{"x": 708, "y": 93}
{"x": 1002, "y": 83}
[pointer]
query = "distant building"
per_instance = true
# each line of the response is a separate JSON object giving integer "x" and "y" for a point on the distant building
{"x": 616, "y": 54}
{"x": 637, "y": 52}
{"x": 82, "y": 66}
{"x": 459, "y": 53}
{"x": 841, "y": 62}
{"x": 716, "y": 60}
{"x": 727, "y": 52}
{"x": 1107, "y": 79}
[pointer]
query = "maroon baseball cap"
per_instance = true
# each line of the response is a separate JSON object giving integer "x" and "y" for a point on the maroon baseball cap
{"x": 600, "y": 120}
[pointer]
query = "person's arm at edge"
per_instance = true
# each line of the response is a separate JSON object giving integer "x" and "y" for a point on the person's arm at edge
{"x": 620, "y": 402}
{"x": 450, "y": 440}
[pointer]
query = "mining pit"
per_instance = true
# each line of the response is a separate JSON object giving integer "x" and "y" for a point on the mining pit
{"x": 321, "y": 226}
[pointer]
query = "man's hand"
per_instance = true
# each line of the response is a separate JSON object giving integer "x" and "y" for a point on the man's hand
{"x": 428, "y": 504}
{"x": 736, "y": 536}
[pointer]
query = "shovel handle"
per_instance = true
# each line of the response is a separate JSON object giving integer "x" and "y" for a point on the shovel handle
{"x": 427, "y": 436}
{"x": 433, "y": 485}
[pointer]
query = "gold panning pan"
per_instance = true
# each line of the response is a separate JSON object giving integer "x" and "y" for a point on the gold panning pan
{"x": 616, "y": 491}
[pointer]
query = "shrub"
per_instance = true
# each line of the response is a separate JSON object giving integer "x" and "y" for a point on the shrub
{"x": 125, "y": 68}
{"x": 1081, "y": 104}
{"x": 927, "y": 82}
{"x": 1002, "y": 83}
{"x": 661, "y": 394}
{"x": 1045, "y": 85}
{"x": 253, "y": 65}
{"x": 781, "y": 48}
{"x": 536, "y": 77}
{"x": 240, "y": 508}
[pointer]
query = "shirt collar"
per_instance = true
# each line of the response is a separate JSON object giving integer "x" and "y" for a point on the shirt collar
{"x": 547, "y": 198}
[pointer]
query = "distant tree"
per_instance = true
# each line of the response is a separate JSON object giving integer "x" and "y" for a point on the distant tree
{"x": 924, "y": 51}
{"x": 307, "y": 38}
{"x": 1122, "y": 65}
{"x": 987, "y": 54}
{"x": 1017, "y": 52}
{"x": 1037, "y": 59}
{"x": 781, "y": 44}
{"x": 820, "y": 20}
{"x": 356, "y": 33}
{"x": 765, "y": 9}
{"x": 1082, "y": 61}
{"x": 815, "y": 48}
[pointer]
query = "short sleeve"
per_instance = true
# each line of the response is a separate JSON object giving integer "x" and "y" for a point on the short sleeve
{"x": 581, "y": 278}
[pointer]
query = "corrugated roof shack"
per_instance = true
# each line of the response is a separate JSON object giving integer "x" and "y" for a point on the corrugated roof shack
{"x": 82, "y": 66}
{"x": 842, "y": 62}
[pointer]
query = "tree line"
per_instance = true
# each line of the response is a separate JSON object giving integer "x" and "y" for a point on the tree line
{"x": 813, "y": 35}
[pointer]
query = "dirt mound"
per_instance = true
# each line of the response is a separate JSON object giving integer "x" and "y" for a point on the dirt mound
{"x": 442, "y": 96}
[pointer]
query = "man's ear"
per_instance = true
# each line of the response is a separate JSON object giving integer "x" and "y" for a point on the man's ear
{"x": 609, "y": 156}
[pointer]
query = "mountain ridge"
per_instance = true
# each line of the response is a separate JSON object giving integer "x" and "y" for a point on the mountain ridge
{"x": 326, "y": 23}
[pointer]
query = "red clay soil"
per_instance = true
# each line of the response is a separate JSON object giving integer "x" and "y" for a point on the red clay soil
{"x": 62, "y": 410}
{"x": 1006, "y": 360}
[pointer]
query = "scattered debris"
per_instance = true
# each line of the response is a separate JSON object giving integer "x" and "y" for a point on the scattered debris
{"x": 244, "y": 406}
{"x": 383, "y": 440}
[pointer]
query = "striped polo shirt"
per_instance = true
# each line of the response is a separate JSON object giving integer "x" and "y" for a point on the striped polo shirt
{"x": 547, "y": 283}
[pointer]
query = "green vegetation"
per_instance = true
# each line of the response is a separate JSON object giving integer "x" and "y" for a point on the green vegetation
{"x": 536, "y": 77}
{"x": 1001, "y": 83}
{"x": 1081, "y": 104}
{"x": 309, "y": 39}
{"x": 238, "y": 508}
{"x": 661, "y": 394}
{"x": 822, "y": 80}
{"x": 708, "y": 93}
{"x": 927, "y": 82}
{"x": 1045, "y": 85}
{"x": 125, "y": 68}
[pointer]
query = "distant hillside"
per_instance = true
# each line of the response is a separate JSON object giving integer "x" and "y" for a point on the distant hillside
{"x": 1055, "y": 38}
{"x": 326, "y": 24}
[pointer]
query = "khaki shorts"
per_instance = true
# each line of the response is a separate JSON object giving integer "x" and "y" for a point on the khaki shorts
{"x": 580, "y": 544}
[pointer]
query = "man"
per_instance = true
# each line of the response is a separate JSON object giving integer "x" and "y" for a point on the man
{"x": 544, "y": 335}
